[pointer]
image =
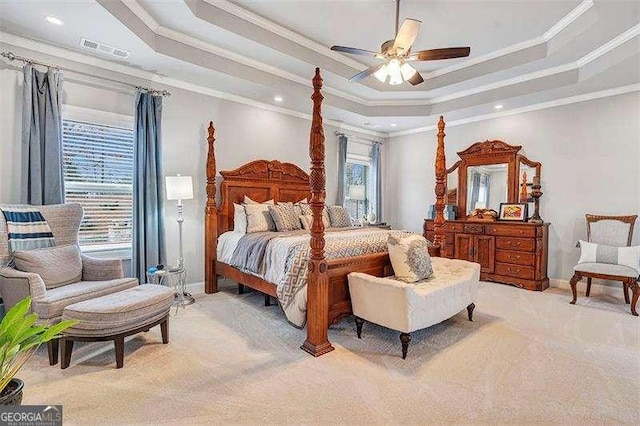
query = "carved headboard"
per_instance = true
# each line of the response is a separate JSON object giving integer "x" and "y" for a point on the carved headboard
{"x": 260, "y": 180}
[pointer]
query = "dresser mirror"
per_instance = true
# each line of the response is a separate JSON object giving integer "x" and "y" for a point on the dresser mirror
{"x": 487, "y": 186}
{"x": 490, "y": 173}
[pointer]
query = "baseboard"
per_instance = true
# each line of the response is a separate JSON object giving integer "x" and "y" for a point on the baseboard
{"x": 195, "y": 288}
{"x": 597, "y": 286}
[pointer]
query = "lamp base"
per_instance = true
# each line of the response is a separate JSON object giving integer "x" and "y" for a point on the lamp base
{"x": 184, "y": 299}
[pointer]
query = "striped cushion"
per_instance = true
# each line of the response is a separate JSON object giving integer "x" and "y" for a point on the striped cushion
{"x": 27, "y": 229}
{"x": 600, "y": 253}
{"x": 57, "y": 266}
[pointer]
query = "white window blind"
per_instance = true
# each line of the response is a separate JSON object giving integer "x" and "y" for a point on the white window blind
{"x": 98, "y": 174}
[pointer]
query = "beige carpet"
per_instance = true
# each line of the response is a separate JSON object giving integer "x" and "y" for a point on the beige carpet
{"x": 527, "y": 357}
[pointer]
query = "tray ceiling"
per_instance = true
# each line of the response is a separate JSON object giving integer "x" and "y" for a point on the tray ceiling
{"x": 523, "y": 53}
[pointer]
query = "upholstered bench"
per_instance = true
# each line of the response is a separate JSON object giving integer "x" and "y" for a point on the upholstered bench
{"x": 407, "y": 307}
{"x": 116, "y": 316}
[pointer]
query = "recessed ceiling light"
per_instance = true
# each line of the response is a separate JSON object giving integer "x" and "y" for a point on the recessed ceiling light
{"x": 498, "y": 106}
{"x": 278, "y": 98}
{"x": 393, "y": 124}
{"x": 53, "y": 20}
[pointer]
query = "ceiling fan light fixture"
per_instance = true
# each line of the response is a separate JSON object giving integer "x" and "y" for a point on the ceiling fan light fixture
{"x": 395, "y": 73}
{"x": 407, "y": 71}
{"x": 382, "y": 73}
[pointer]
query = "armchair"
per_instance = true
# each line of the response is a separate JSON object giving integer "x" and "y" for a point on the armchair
{"x": 616, "y": 231}
{"x": 99, "y": 276}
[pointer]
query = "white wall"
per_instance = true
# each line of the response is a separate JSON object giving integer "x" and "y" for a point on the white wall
{"x": 243, "y": 133}
{"x": 590, "y": 155}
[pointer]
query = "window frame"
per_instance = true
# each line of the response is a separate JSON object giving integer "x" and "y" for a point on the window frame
{"x": 111, "y": 119}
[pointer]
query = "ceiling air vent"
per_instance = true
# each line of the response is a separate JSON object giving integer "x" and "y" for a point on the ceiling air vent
{"x": 103, "y": 48}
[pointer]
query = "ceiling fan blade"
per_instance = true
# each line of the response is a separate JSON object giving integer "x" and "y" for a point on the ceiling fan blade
{"x": 366, "y": 73}
{"x": 406, "y": 35}
{"x": 416, "y": 79}
{"x": 353, "y": 50}
{"x": 436, "y": 54}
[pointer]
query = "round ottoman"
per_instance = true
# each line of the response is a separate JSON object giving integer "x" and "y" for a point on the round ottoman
{"x": 116, "y": 316}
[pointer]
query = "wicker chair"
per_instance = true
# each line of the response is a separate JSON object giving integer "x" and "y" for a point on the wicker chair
{"x": 99, "y": 276}
{"x": 614, "y": 231}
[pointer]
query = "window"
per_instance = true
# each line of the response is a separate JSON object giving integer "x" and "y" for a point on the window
{"x": 359, "y": 185}
{"x": 98, "y": 173}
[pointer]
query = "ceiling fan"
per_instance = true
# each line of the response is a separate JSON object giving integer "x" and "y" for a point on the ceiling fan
{"x": 397, "y": 54}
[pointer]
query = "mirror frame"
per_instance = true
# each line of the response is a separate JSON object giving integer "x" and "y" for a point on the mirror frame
{"x": 491, "y": 152}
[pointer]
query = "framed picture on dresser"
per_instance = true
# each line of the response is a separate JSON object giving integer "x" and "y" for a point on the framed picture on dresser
{"x": 515, "y": 212}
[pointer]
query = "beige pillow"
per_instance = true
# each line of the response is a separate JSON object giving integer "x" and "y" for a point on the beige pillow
{"x": 305, "y": 209}
{"x": 239, "y": 219}
{"x": 410, "y": 257}
{"x": 259, "y": 218}
{"x": 248, "y": 200}
{"x": 57, "y": 266}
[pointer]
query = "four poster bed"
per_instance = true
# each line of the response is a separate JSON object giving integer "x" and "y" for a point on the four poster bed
{"x": 327, "y": 295}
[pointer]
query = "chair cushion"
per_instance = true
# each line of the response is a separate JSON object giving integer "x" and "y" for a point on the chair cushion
{"x": 56, "y": 299}
{"x": 57, "y": 266}
{"x": 600, "y": 253}
{"x": 408, "y": 307}
{"x": 410, "y": 257}
{"x": 119, "y": 312}
{"x": 606, "y": 269}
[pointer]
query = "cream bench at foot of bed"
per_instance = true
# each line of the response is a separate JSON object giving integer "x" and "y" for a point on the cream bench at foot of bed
{"x": 116, "y": 316}
{"x": 408, "y": 307}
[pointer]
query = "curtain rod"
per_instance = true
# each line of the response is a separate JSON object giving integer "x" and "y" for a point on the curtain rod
{"x": 13, "y": 57}
{"x": 337, "y": 133}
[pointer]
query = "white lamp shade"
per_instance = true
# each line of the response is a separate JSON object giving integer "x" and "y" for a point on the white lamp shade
{"x": 179, "y": 187}
{"x": 356, "y": 192}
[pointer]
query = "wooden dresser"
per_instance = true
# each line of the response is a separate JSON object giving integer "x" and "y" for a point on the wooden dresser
{"x": 510, "y": 253}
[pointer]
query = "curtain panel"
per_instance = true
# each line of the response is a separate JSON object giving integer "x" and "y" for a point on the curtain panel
{"x": 342, "y": 169}
{"x": 42, "y": 181}
{"x": 148, "y": 225}
{"x": 376, "y": 161}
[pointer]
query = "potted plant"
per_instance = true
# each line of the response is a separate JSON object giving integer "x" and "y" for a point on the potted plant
{"x": 20, "y": 337}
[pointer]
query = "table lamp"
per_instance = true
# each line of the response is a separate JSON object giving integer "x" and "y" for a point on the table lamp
{"x": 357, "y": 194}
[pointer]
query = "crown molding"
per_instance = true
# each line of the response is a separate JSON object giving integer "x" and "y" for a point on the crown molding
{"x": 145, "y": 76}
{"x": 529, "y": 108}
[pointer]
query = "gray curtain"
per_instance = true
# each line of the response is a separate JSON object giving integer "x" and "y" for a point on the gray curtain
{"x": 377, "y": 175}
{"x": 148, "y": 226}
{"x": 42, "y": 181}
{"x": 342, "y": 164}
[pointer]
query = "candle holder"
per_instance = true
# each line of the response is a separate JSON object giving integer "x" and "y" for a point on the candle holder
{"x": 536, "y": 193}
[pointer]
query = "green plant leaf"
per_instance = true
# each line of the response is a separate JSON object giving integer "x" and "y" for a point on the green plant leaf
{"x": 16, "y": 313}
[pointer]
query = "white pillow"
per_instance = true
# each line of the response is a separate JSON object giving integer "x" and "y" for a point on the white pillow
{"x": 248, "y": 200}
{"x": 259, "y": 218}
{"x": 600, "y": 253}
{"x": 239, "y": 219}
{"x": 410, "y": 257}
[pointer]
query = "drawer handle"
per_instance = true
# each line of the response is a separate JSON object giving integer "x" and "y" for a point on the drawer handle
{"x": 521, "y": 232}
{"x": 514, "y": 257}
{"x": 518, "y": 244}
{"x": 514, "y": 271}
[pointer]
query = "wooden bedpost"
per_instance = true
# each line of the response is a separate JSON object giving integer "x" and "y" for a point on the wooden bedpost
{"x": 317, "y": 342}
{"x": 211, "y": 218}
{"x": 441, "y": 189}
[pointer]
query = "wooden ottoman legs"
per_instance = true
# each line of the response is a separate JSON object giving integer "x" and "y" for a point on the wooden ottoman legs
{"x": 118, "y": 340}
{"x": 52, "y": 349}
{"x": 470, "y": 309}
{"x": 405, "y": 338}
{"x": 359, "y": 323}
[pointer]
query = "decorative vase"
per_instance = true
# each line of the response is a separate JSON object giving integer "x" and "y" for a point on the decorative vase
{"x": 12, "y": 394}
{"x": 371, "y": 217}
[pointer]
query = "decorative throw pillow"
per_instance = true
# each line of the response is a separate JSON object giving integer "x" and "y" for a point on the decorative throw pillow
{"x": 248, "y": 200}
{"x": 410, "y": 257}
{"x": 239, "y": 219}
{"x": 306, "y": 210}
{"x": 600, "y": 253}
{"x": 339, "y": 217}
{"x": 57, "y": 266}
{"x": 258, "y": 218}
{"x": 285, "y": 217}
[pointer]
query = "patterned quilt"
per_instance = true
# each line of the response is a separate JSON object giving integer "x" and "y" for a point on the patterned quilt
{"x": 292, "y": 288}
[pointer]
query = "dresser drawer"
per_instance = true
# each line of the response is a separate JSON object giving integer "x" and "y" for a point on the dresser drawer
{"x": 511, "y": 230}
{"x": 520, "y": 244}
{"x": 473, "y": 228}
{"x": 515, "y": 257}
{"x": 517, "y": 271}
{"x": 452, "y": 227}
